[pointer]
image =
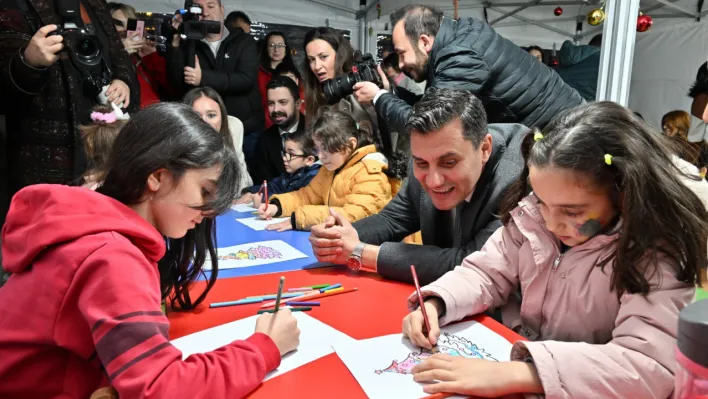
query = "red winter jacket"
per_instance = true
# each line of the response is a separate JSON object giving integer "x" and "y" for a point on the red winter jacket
{"x": 152, "y": 75}
{"x": 82, "y": 308}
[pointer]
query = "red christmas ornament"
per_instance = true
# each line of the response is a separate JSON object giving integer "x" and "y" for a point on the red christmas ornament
{"x": 644, "y": 22}
{"x": 558, "y": 11}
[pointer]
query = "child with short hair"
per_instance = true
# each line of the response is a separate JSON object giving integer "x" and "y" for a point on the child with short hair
{"x": 85, "y": 290}
{"x": 301, "y": 165}
{"x": 98, "y": 139}
{"x": 604, "y": 252}
{"x": 352, "y": 181}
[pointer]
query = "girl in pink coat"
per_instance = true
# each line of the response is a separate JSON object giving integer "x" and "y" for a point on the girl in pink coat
{"x": 592, "y": 267}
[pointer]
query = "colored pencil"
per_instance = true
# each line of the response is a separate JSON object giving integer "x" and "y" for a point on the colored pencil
{"x": 439, "y": 396}
{"x": 335, "y": 291}
{"x": 301, "y": 289}
{"x": 317, "y": 287}
{"x": 273, "y": 296}
{"x": 233, "y": 303}
{"x": 331, "y": 287}
{"x": 280, "y": 293}
{"x": 303, "y": 309}
{"x": 302, "y": 303}
{"x": 420, "y": 298}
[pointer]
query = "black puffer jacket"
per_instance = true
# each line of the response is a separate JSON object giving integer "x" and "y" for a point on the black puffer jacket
{"x": 233, "y": 73}
{"x": 514, "y": 87}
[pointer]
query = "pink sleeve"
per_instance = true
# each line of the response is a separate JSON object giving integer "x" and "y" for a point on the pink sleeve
{"x": 637, "y": 363}
{"x": 484, "y": 280}
{"x": 119, "y": 297}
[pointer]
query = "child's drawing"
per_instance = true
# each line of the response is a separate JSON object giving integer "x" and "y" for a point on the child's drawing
{"x": 448, "y": 344}
{"x": 258, "y": 252}
{"x": 255, "y": 254}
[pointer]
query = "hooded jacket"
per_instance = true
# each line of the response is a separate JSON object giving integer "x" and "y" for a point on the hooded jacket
{"x": 588, "y": 341}
{"x": 83, "y": 308}
{"x": 356, "y": 190}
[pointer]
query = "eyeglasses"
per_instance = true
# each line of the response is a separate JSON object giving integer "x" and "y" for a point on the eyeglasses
{"x": 289, "y": 157}
{"x": 275, "y": 46}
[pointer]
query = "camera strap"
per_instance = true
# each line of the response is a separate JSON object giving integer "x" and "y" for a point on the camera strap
{"x": 30, "y": 16}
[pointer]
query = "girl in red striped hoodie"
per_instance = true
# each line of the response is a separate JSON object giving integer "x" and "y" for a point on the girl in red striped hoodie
{"x": 90, "y": 268}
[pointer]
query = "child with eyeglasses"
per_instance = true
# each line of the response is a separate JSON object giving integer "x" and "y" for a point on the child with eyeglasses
{"x": 301, "y": 165}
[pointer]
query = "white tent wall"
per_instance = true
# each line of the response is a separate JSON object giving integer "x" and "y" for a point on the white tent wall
{"x": 665, "y": 64}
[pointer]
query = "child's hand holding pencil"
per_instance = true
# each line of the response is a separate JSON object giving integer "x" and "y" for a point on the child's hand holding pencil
{"x": 267, "y": 211}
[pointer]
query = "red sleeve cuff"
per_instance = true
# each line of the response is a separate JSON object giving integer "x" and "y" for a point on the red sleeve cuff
{"x": 271, "y": 353}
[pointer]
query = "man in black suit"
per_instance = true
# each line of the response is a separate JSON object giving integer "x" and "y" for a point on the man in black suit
{"x": 284, "y": 108}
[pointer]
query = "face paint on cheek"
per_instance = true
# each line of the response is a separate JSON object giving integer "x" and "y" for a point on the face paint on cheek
{"x": 588, "y": 229}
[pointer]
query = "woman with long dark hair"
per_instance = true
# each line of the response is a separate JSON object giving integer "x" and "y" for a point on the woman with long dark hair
{"x": 86, "y": 289}
{"x": 330, "y": 55}
{"x": 274, "y": 52}
{"x": 209, "y": 105}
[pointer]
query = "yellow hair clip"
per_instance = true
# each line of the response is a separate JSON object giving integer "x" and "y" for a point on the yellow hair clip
{"x": 537, "y": 136}
{"x": 608, "y": 159}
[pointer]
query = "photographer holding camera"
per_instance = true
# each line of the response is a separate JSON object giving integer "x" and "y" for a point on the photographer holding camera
{"x": 468, "y": 54}
{"x": 224, "y": 59}
{"x": 333, "y": 70}
{"x": 53, "y": 70}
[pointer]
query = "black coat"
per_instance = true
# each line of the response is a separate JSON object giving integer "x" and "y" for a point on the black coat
{"x": 233, "y": 74}
{"x": 514, "y": 87}
{"x": 268, "y": 154}
{"x": 444, "y": 246}
{"x": 44, "y": 107}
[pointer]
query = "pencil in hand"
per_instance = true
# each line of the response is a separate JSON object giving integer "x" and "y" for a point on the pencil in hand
{"x": 279, "y": 294}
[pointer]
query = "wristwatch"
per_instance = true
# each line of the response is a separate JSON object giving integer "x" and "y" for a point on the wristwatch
{"x": 354, "y": 263}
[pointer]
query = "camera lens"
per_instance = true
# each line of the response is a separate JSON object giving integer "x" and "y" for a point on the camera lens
{"x": 87, "y": 48}
{"x": 339, "y": 87}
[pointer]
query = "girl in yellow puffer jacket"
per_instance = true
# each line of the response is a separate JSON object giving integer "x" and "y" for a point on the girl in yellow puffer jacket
{"x": 352, "y": 181}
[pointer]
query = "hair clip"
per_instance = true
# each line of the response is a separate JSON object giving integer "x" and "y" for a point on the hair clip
{"x": 357, "y": 125}
{"x": 537, "y": 136}
{"x": 608, "y": 159}
{"x": 108, "y": 117}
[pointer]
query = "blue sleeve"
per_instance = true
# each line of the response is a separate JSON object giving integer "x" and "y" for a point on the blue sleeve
{"x": 277, "y": 185}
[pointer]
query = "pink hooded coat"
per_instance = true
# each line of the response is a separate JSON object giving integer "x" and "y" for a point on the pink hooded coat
{"x": 588, "y": 342}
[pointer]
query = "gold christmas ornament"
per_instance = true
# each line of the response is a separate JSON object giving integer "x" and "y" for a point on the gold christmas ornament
{"x": 596, "y": 16}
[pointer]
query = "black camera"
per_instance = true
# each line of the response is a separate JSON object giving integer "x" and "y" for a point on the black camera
{"x": 192, "y": 27}
{"x": 84, "y": 48}
{"x": 364, "y": 70}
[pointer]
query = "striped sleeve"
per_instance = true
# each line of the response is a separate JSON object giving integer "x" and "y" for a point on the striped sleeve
{"x": 119, "y": 297}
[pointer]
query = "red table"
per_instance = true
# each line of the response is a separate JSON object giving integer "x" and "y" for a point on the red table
{"x": 376, "y": 309}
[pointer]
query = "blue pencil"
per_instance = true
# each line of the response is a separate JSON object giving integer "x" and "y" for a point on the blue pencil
{"x": 302, "y": 303}
{"x": 331, "y": 287}
{"x": 233, "y": 303}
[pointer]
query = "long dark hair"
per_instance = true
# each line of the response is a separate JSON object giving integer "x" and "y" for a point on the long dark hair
{"x": 199, "y": 92}
{"x": 660, "y": 215}
{"x": 344, "y": 60}
{"x": 172, "y": 136}
{"x": 265, "y": 58}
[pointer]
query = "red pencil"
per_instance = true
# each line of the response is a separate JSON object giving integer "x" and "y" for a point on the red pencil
{"x": 315, "y": 296}
{"x": 420, "y": 298}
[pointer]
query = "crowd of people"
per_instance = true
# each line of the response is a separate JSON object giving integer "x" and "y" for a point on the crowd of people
{"x": 573, "y": 222}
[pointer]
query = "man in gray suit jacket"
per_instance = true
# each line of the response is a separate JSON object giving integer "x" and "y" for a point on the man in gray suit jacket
{"x": 459, "y": 172}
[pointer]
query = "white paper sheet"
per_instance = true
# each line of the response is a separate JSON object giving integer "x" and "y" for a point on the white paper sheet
{"x": 382, "y": 365}
{"x": 257, "y": 223}
{"x": 244, "y": 207}
{"x": 255, "y": 254}
{"x": 316, "y": 340}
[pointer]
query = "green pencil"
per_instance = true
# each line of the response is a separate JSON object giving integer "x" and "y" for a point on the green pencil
{"x": 317, "y": 287}
{"x": 300, "y": 309}
{"x": 280, "y": 293}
